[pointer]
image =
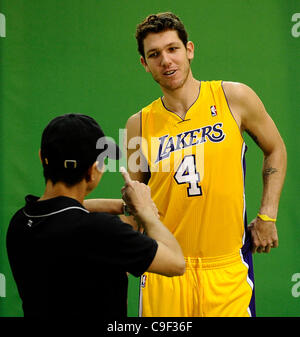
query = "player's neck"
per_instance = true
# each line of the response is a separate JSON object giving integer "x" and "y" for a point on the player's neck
{"x": 181, "y": 99}
{"x": 76, "y": 192}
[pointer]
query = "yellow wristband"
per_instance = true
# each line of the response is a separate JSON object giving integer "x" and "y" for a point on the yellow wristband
{"x": 264, "y": 217}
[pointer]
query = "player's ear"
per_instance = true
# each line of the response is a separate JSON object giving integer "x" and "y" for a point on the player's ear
{"x": 144, "y": 64}
{"x": 190, "y": 50}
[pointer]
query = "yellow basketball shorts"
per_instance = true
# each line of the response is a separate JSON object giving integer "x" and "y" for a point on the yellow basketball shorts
{"x": 210, "y": 287}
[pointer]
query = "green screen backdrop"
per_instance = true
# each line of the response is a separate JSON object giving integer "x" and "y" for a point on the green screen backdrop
{"x": 62, "y": 56}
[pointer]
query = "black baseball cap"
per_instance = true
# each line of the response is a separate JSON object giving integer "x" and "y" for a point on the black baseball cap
{"x": 75, "y": 142}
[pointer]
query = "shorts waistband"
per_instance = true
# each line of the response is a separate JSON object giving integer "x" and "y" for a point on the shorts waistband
{"x": 212, "y": 262}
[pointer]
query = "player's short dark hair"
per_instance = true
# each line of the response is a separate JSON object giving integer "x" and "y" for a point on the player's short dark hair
{"x": 156, "y": 23}
{"x": 68, "y": 148}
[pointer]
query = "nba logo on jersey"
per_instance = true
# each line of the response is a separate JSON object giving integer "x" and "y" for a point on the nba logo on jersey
{"x": 213, "y": 110}
{"x": 143, "y": 281}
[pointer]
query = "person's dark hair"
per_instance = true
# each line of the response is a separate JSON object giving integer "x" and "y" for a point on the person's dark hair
{"x": 69, "y": 148}
{"x": 156, "y": 23}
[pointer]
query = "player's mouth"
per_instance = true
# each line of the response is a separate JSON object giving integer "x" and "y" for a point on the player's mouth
{"x": 170, "y": 72}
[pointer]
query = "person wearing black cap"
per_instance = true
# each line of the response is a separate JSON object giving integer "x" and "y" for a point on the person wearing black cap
{"x": 68, "y": 261}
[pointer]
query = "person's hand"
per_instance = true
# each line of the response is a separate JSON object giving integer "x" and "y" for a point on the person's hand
{"x": 264, "y": 235}
{"x": 137, "y": 196}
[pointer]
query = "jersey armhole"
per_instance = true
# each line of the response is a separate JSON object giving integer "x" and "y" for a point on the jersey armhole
{"x": 227, "y": 103}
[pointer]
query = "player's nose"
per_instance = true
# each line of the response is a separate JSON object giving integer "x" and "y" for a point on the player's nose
{"x": 165, "y": 59}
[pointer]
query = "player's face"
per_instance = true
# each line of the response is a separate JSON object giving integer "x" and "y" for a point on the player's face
{"x": 167, "y": 59}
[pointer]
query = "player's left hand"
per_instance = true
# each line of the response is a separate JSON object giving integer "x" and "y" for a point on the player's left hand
{"x": 264, "y": 235}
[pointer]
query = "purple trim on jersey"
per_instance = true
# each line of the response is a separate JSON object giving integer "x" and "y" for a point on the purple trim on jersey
{"x": 246, "y": 249}
{"x": 182, "y": 119}
{"x": 228, "y": 104}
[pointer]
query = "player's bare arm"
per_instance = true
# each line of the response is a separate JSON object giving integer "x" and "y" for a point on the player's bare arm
{"x": 134, "y": 156}
{"x": 253, "y": 118}
{"x": 169, "y": 260}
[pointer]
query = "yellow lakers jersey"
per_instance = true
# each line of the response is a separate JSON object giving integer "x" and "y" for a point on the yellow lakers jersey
{"x": 197, "y": 172}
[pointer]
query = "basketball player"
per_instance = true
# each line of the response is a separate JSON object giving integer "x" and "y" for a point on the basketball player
{"x": 192, "y": 143}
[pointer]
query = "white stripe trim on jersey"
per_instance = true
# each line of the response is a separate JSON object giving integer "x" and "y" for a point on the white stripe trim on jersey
{"x": 249, "y": 281}
{"x": 141, "y": 299}
{"x": 61, "y": 210}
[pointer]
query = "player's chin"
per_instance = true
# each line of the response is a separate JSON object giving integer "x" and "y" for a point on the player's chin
{"x": 171, "y": 85}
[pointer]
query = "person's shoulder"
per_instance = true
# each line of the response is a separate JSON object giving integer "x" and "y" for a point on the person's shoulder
{"x": 244, "y": 103}
{"x": 17, "y": 215}
{"x": 236, "y": 91}
{"x": 134, "y": 119}
{"x": 16, "y": 223}
{"x": 20, "y": 212}
{"x": 133, "y": 125}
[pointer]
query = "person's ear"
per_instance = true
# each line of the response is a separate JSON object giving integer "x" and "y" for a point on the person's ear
{"x": 190, "y": 50}
{"x": 40, "y": 156}
{"x": 96, "y": 173}
{"x": 144, "y": 64}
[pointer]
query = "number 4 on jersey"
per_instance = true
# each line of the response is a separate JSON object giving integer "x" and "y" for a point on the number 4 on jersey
{"x": 187, "y": 174}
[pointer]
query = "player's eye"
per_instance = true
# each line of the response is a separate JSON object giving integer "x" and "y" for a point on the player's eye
{"x": 154, "y": 54}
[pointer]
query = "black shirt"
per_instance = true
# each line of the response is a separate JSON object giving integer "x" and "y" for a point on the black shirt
{"x": 67, "y": 261}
